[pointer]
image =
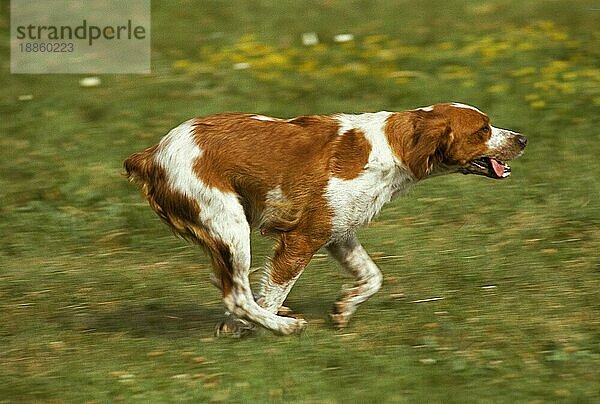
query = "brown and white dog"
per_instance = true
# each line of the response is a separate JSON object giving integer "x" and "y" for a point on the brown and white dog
{"x": 308, "y": 181}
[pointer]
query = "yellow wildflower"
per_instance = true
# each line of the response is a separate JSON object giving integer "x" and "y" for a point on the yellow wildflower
{"x": 556, "y": 66}
{"x": 182, "y": 64}
{"x": 497, "y": 89}
{"x": 455, "y": 72}
{"x": 523, "y": 71}
{"x": 537, "y": 104}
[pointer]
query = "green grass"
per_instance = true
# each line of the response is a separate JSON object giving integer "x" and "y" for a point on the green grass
{"x": 100, "y": 303}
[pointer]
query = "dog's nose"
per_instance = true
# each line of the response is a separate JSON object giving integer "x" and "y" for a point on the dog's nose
{"x": 522, "y": 141}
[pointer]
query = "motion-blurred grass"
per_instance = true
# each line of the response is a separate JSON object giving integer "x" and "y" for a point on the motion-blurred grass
{"x": 491, "y": 288}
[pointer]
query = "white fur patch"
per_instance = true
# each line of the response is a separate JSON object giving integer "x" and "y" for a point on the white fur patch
{"x": 274, "y": 199}
{"x": 265, "y": 118}
{"x": 275, "y": 195}
{"x": 355, "y": 202}
{"x": 272, "y": 295}
{"x": 426, "y": 109}
{"x": 465, "y": 106}
{"x": 176, "y": 153}
{"x": 498, "y": 139}
{"x": 354, "y": 259}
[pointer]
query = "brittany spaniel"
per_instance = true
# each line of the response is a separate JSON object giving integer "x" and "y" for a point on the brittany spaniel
{"x": 309, "y": 182}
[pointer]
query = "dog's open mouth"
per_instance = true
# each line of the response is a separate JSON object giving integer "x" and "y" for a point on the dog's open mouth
{"x": 489, "y": 167}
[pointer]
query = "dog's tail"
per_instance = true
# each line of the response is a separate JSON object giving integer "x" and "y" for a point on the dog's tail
{"x": 174, "y": 208}
{"x": 139, "y": 167}
{"x": 142, "y": 170}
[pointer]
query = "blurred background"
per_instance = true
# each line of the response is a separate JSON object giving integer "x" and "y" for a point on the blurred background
{"x": 491, "y": 287}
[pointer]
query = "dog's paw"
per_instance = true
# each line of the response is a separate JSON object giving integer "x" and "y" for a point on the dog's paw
{"x": 234, "y": 327}
{"x": 339, "y": 320}
{"x": 341, "y": 314}
{"x": 292, "y": 326}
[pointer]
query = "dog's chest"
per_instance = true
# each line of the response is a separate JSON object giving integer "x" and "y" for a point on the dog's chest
{"x": 354, "y": 202}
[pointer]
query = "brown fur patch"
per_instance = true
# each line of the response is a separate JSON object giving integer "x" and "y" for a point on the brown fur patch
{"x": 222, "y": 265}
{"x": 415, "y": 139}
{"x": 293, "y": 252}
{"x": 251, "y": 157}
{"x": 350, "y": 154}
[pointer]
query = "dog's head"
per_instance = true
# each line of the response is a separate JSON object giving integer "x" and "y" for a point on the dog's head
{"x": 447, "y": 138}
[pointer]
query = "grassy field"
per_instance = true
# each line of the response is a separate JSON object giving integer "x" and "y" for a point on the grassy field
{"x": 491, "y": 289}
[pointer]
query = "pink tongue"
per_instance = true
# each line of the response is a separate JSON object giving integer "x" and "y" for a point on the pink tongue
{"x": 498, "y": 167}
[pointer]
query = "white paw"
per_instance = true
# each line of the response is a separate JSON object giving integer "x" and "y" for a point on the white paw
{"x": 292, "y": 326}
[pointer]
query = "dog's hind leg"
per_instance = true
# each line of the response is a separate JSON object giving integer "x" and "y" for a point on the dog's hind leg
{"x": 230, "y": 232}
{"x": 352, "y": 257}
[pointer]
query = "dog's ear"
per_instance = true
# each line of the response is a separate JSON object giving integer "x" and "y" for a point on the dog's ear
{"x": 420, "y": 139}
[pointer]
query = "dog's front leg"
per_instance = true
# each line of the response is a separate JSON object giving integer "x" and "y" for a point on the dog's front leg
{"x": 352, "y": 257}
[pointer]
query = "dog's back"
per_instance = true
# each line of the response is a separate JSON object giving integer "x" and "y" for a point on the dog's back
{"x": 255, "y": 158}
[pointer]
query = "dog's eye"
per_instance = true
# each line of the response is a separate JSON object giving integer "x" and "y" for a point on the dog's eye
{"x": 485, "y": 129}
